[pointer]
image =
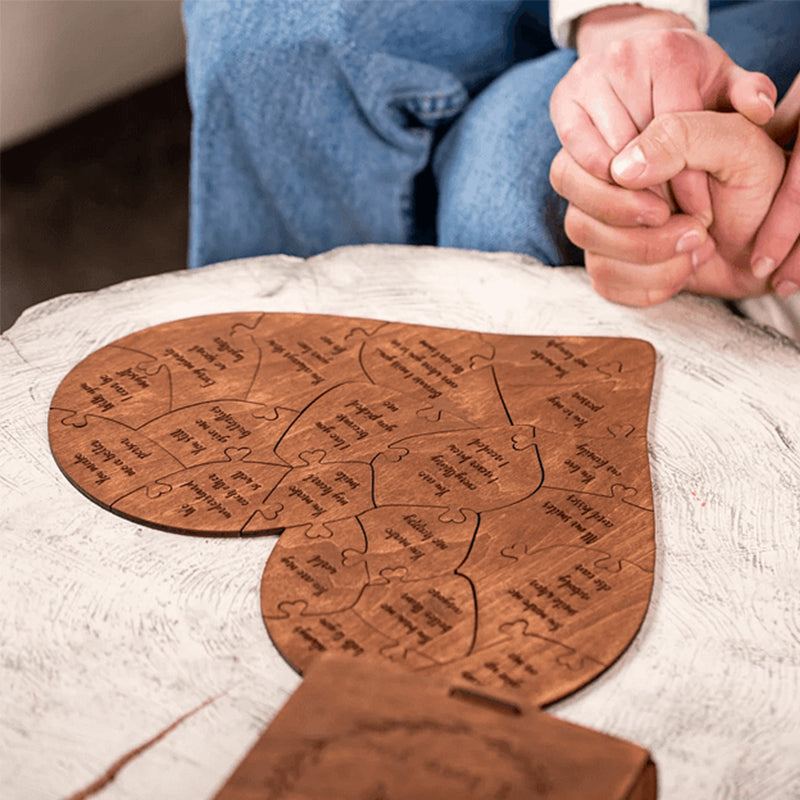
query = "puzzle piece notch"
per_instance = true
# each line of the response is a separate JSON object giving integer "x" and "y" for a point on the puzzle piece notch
{"x": 565, "y": 656}
{"x": 216, "y": 498}
{"x": 303, "y": 356}
{"x": 202, "y": 432}
{"x": 104, "y": 458}
{"x": 319, "y": 492}
{"x": 356, "y": 421}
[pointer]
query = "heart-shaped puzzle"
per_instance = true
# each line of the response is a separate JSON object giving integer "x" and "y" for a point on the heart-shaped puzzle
{"x": 469, "y": 505}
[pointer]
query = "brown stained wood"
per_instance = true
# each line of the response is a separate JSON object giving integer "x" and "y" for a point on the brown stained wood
{"x": 351, "y": 731}
{"x": 475, "y": 507}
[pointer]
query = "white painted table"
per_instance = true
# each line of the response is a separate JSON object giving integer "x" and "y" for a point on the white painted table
{"x": 110, "y": 631}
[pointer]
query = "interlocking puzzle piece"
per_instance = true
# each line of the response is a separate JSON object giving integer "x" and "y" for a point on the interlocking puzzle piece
{"x": 477, "y": 469}
{"x": 433, "y": 617}
{"x": 613, "y": 523}
{"x": 570, "y": 360}
{"x": 415, "y": 538}
{"x": 104, "y": 458}
{"x": 207, "y": 357}
{"x": 217, "y": 498}
{"x": 590, "y": 394}
{"x": 305, "y": 355}
{"x": 356, "y": 421}
{"x": 583, "y": 464}
{"x": 562, "y": 517}
{"x": 315, "y": 570}
{"x": 580, "y": 596}
{"x": 109, "y": 383}
{"x": 317, "y": 492}
{"x": 302, "y": 636}
{"x": 436, "y": 366}
{"x": 519, "y": 659}
{"x": 202, "y": 432}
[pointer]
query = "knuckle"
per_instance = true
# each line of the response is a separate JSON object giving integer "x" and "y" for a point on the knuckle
{"x": 653, "y": 249}
{"x": 558, "y": 169}
{"x": 790, "y": 269}
{"x": 588, "y": 158}
{"x": 620, "y": 55}
{"x": 575, "y": 227}
{"x": 654, "y": 297}
{"x": 601, "y": 270}
{"x": 671, "y": 43}
{"x": 670, "y": 132}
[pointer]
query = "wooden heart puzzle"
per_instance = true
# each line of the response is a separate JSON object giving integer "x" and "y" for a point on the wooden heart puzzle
{"x": 471, "y": 506}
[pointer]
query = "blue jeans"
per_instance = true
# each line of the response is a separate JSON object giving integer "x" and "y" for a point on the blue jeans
{"x": 320, "y": 123}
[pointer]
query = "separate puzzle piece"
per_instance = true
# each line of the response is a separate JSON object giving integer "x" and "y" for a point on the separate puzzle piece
{"x": 305, "y": 355}
{"x": 207, "y": 358}
{"x": 436, "y": 366}
{"x": 414, "y": 538}
{"x": 356, "y": 421}
{"x": 218, "y": 498}
{"x": 434, "y": 619}
{"x": 202, "y": 432}
{"x": 314, "y": 570}
{"x": 104, "y": 458}
{"x": 590, "y": 465}
{"x": 477, "y": 469}
{"x": 318, "y": 492}
{"x": 110, "y": 384}
{"x": 302, "y": 637}
{"x": 518, "y": 659}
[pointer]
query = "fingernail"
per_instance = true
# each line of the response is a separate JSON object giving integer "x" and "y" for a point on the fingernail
{"x": 765, "y": 99}
{"x": 690, "y": 240}
{"x": 763, "y": 266}
{"x": 785, "y": 288}
{"x": 705, "y": 218}
{"x": 630, "y": 163}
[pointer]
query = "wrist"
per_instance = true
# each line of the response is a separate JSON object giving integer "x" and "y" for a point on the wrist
{"x": 601, "y": 26}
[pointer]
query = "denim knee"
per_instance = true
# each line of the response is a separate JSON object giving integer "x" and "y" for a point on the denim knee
{"x": 492, "y": 168}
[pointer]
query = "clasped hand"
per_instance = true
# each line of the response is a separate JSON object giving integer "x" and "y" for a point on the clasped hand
{"x": 679, "y": 205}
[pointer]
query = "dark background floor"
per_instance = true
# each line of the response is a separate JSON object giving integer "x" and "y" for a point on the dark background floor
{"x": 96, "y": 201}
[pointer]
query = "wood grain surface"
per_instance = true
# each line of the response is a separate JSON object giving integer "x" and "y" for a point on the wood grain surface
{"x": 111, "y": 631}
{"x": 353, "y": 731}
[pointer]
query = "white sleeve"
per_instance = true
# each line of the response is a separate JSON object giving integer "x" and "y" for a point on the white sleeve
{"x": 564, "y": 12}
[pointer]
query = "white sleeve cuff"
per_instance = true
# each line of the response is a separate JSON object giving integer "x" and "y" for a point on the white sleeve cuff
{"x": 564, "y": 12}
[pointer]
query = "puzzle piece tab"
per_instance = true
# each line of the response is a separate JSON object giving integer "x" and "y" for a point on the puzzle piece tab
{"x": 477, "y": 469}
{"x": 211, "y": 499}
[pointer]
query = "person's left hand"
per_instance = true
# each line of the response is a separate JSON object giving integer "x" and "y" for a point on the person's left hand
{"x": 638, "y": 265}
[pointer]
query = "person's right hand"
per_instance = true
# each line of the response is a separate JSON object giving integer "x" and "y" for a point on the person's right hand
{"x": 620, "y": 82}
{"x": 777, "y": 247}
{"x": 642, "y": 266}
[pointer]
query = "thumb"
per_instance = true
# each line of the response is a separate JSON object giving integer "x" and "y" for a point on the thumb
{"x": 719, "y": 144}
{"x": 752, "y": 94}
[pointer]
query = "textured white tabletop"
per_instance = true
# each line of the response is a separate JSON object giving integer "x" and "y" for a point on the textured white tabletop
{"x": 111, "y": 631}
